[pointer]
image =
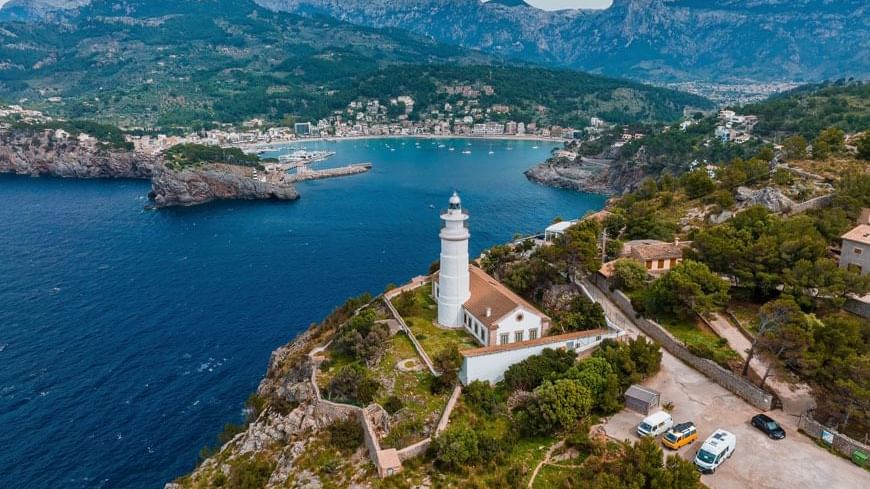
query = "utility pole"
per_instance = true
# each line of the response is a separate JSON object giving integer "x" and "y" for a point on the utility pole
{"x": 604, "y": 246}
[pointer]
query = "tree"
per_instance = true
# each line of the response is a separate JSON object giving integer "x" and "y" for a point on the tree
{"x": 690, "y": 287}
{"x": 456, "y": 447}
{"x": 770, "y": 318}
{"x": 481, "y": 396}
{"x": 496, "y": 259}
{"x": 577, "y": 248}
{"x": 829, "y": 142}
{"x": 794, "y": 148}
{"x": 809, "y": 281}
{"x": 697, "y": 183}
{"x": 863, "y": 146}
{"x": 531, "y": 372}
{"x": 629, "y": 274}
{"x": 559, "y": 405}
{"x": 362, "y": 338}
{"x": 582, "y": 315}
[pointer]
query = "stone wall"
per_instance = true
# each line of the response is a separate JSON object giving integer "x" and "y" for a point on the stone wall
{"x": 415, "y": 450}
{"x": 841, "y": 443}
{"x": 734, "y": 383}
{"x": 858, "y": 307}
{"x": 812, "y": 204}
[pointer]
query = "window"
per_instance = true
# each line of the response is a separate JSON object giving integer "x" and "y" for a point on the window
{"x": 858, "y": 251}
{"x": 518, "y": 336}
{"x": 483, "y": 335}
{"x": 673, "y": 262}
{"x": 533, "y": 334}
{"x": 649, "y": 264}
{"x": 661, "y": 263}
{"x": 504, "y": 339}
{"x": 520, "y": 317}
{"x": 475, "y": 328}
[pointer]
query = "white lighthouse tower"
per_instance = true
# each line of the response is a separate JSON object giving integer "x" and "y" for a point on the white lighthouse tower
{"x": 453, "y": 289}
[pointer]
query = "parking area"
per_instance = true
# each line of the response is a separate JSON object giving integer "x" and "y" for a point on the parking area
{"x": 758, "y": 462}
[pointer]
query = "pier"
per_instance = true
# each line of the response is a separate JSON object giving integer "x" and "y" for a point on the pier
{"x": 304, "y": 173}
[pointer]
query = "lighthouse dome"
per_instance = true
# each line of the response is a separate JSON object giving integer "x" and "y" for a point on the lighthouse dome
{"x": 454, "y": 201}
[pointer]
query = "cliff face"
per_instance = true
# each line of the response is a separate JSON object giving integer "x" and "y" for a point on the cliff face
{"x": 213, "y": 182}
{"x": 45, "y": 154}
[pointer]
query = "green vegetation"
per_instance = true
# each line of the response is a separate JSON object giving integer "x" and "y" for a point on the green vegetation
{"x": 191, "y": 64}
{"x": 418, "y": 309}
{"x": 187, "y": 155}
{"x": 685, "y": 290}
{"x": 108, "y": 135}
{"x": 808, "y": 110}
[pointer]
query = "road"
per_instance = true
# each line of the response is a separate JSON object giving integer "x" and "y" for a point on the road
{"x": 758, "y": 462}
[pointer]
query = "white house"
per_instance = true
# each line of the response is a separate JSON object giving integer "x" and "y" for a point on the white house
{"x": 508, "y": 328}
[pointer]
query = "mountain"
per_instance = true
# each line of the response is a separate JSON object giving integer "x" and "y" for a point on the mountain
{"x": 662, "y": 40}
{"x": 185, "y": 63}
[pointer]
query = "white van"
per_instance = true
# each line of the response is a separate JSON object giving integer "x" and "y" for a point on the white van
{"x": 655, "y": 424}
{"x": 715, "y": 450}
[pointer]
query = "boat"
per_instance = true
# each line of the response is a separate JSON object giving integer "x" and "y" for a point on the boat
{"x": 535, "y": 147}
{"x": 466, "y": 151}
{"x": 301, "y": 156}
{"x": 440, "y": 145}
{"x": 451, "y": 149}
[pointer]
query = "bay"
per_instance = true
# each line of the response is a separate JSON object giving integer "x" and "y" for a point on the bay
{"x": 129, "y": 337}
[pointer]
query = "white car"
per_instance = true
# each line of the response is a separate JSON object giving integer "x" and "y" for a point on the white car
{"x": 655, "y": 424}
{"x": 716, "y": 449}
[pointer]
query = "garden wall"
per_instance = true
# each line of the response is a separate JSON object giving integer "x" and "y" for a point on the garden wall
{"x": 734, "y": 383}
{"x": 841, "y": 443}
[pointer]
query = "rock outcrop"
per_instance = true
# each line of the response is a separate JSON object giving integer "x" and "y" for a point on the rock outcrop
{"x": 768, "y": 197}
{"x": 44, "y": 154}
{"x": 49, "y": 153}
{"x": 213, "y": 182}
{"x": 571, "y": 174}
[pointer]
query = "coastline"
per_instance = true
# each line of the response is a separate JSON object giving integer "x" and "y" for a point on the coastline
{"x": 502, "y": 137}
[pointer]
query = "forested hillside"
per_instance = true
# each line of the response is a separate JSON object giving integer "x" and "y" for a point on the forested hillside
{"x": 187, "y": 63}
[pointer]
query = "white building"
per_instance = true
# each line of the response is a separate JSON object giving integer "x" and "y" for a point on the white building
{"x": 508, "y": 328}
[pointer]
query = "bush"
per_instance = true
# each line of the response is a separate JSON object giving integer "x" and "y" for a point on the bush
{"x": 481, "y": 396}
{"x": 629, "y": 274}
{"x": 456, "y": 447}
{"x": 249, "y": 472}
{"x": 393, "y": 405}
{"x": 345, "y": 434}
{"x": 353, "y": 383}
{"x": 532, "y": 371}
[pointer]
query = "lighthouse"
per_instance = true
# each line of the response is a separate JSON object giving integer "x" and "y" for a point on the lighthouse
{"x": 453, "y": 279}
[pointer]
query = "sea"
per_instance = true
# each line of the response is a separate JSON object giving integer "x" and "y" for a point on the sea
{"x": 129, "y": 337}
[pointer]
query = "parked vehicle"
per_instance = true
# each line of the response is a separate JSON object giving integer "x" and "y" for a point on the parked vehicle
{"x": 680, "y": 435}
{"x": 715, "y": 451}
{"x": 655, "y": 424}
{"x": 767, "y": 425}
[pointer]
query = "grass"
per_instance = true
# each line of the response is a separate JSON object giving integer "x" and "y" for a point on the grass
{"x": 699, "y": 340}
{"x": 421, "y": 409}
{"x": 419, "y": 311}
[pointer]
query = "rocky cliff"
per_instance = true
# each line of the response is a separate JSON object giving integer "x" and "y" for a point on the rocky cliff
{"x": 213, "y": 182}
{"x": 50, "y": 153}
{"x": 37, "y": 154}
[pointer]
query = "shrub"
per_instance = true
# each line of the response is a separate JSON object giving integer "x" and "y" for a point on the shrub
{"x": 393, "y": 404}
{"x": 481, "y": 396}
{"x": 629, "y": 274}
{"x": 345, "y": 434}
{"x": 456, "y": 447}
{"x": 531, "y": 372}
{"x": 353, "y": 383}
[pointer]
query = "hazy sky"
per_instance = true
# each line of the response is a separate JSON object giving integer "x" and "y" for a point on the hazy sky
{"x": 546, "y": 4}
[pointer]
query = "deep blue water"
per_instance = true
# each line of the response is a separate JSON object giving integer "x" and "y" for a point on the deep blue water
{"x": 129, "y": 337}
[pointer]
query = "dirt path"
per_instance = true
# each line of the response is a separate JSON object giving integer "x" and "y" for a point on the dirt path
{"x": 546, "y": 460}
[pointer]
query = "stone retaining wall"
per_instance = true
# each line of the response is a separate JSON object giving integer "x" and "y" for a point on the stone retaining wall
{"x": 812, "y": 204}
{"x": 734, "y": 383}
{"x": 407, "y": 330}
{"x": 841, "y": 443}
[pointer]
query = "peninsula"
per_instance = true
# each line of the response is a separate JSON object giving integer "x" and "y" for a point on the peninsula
{"x": 183, "y": 175}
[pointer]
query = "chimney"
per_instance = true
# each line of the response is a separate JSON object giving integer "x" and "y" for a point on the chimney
{"x": 676, "y": 241}
{"x": 488, "y": 311}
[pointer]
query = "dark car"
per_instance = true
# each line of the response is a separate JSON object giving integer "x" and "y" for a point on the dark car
{"x": 770, "y": 427}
